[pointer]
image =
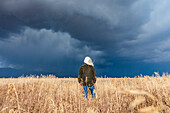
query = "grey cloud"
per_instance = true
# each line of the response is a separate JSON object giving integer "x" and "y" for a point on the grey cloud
{"x": 96, "y": 21}
{"x": 1, "y": 64}
{"x": 152, "y": 44}
{"x": 44, "y": 49}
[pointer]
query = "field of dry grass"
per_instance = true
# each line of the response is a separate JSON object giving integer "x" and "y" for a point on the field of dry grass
{"x": 64, "y": 95}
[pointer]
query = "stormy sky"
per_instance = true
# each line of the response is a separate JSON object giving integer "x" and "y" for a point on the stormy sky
{"x": 122, "y": 37}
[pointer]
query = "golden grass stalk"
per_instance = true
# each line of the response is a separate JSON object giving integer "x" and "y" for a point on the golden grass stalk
{"x": 13, "y": 93}
{"x": 150, "y": 109}
{"x": 137, "y": 92}
{"x": 12, "y": 111}
{"x": 157, "y": 74}
{"x": 3, "y": 109}
{"x": 90, "y": 110}
{"x": 136, "y": 102}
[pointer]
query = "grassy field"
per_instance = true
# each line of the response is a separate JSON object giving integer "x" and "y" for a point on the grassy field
{"x": 65, "y": 95}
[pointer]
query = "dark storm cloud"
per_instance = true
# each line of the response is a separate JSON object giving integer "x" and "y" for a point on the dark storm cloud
{"x": 109, "y": 31}
{"x": 152, "y": 44}
{"x": 104, "y": 20}
{"x": 44, "y": 50}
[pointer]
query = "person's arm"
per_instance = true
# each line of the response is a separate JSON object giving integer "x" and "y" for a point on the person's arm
{"x": 94, "y": 76}
{"x": 80, "y": 75}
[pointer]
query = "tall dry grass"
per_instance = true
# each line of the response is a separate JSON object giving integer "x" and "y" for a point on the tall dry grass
{"x": 64, "y": 95}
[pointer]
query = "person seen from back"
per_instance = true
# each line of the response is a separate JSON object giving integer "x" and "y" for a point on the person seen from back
{"x": 87, "y": 76}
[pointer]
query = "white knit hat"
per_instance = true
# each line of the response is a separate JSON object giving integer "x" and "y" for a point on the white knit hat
{"x": 88, "y": 61}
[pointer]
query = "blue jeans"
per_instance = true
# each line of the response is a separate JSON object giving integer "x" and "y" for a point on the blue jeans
{"x": 86, "y": 91}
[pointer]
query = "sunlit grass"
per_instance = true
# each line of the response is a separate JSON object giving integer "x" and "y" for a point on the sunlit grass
{"x": 64, "y": 95}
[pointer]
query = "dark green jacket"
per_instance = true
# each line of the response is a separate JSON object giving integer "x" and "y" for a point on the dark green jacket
{"x": 87, "y": 75}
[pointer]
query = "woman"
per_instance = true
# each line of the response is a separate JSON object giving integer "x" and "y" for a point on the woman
{"x": 87, "y": 76}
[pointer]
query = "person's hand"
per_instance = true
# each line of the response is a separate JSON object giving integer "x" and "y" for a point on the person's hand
{"x": 94, "y": 84}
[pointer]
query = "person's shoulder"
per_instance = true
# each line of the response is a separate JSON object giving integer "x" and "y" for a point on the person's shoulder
{"x": 83, "y": 65}
{"x": 86, "y": 66}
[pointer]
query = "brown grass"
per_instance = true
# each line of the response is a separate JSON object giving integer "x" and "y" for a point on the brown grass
{"x": 64, "y": 95}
